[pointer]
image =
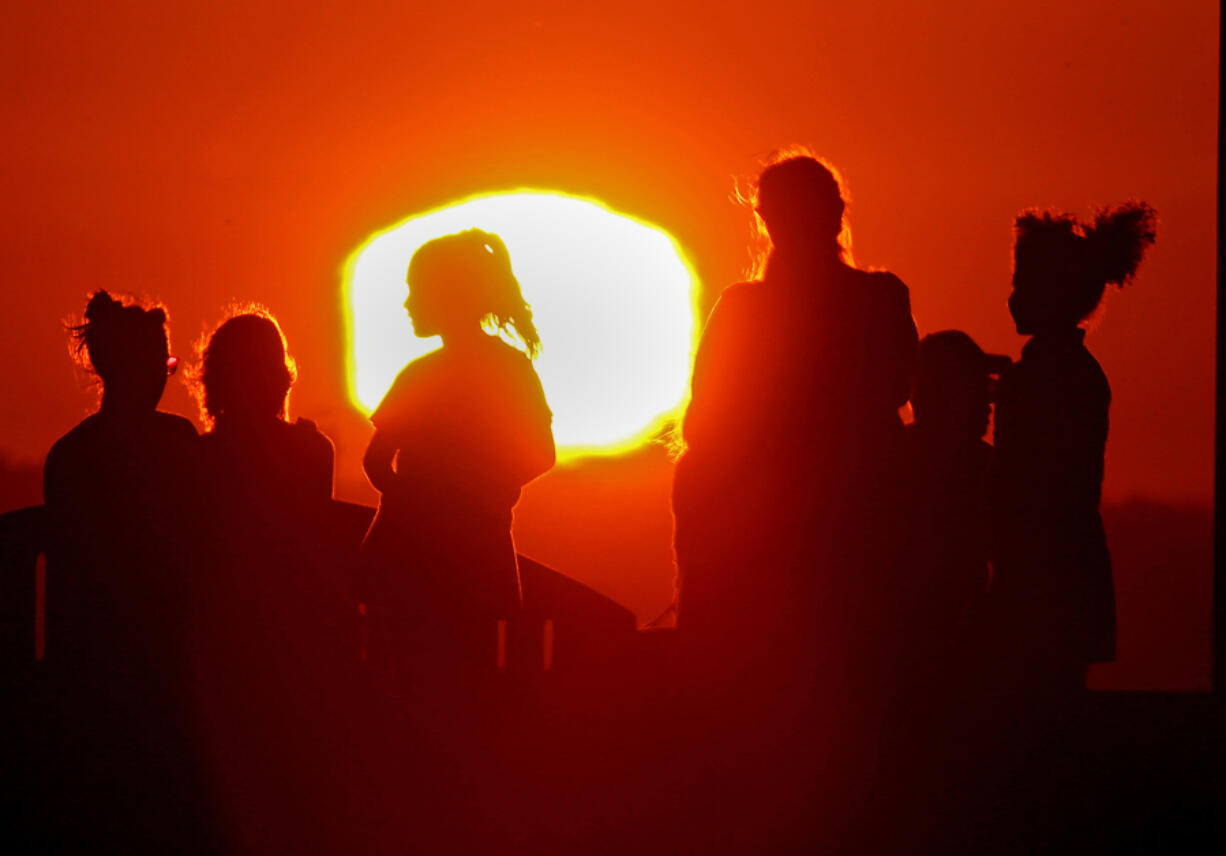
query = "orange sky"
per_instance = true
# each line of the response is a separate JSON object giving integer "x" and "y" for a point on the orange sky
{"x": 206, "y": 152}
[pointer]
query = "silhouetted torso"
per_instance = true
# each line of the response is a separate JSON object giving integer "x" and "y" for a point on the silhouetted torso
{"x": 122, "y": 581}
{"x": 946, "y": 568}
{"x": 786, "y": 506}
{"x": 122, "y": 491}
{"x": 794, "y": 441}
{"x": 273, "y": 590}
{"x": 1053, "y": 575}
{"x": 269, "y": 485}
{"x": 471, "y": 427}
{"x": 273, "y": 471}
{"x": 280, "y": 652}
{"x": 801, "y": 363}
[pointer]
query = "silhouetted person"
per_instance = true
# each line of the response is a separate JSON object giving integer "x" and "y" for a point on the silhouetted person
{"x": 1052, "y": 595}
{"x": 936, "y": 732}
{"x": 786, "y": 499}
{"x": 269, "y": 479}
{"x": 459, "y": 432}
{"x": 121, "y": 494}
{"x": 280, "y": 634}
{"x": 269, "y": 465}
{"x": 1053, "y": 572}
{"x": 946, "y": 574}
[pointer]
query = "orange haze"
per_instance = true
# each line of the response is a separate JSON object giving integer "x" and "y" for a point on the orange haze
{"x": 205, "y": 152}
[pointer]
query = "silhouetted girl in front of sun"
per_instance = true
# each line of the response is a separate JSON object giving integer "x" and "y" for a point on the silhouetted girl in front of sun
{"x": 1053, "y": 573}
{"x": 461, "y": 430}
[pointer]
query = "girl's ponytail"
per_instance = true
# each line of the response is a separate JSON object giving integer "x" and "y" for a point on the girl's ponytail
{"x": 506, "y": 299}
{"x": 1117, "y": 240}
{"x": 1072, "y": 262}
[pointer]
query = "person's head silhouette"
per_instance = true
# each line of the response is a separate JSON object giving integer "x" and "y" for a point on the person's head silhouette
{"x": 126, "y": 345}
{"x": 462, "y": 285}
{"x": 245, "y": 373}
{"x": 1061, "y": 267}
{"x": 801, "y": 203}
{"x": 952, "y": 390}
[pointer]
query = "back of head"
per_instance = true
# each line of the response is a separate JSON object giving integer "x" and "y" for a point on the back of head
{"x": 1063, "y": 266}
{"x": 245, "y": 371}
{"x": 470, "y": 274}
{"x": 801, "y": 202}
{"x": 951, "y": 388}
{"x": 125, "y": 344}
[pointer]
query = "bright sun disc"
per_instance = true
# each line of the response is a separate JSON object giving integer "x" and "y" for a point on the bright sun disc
{"x": 611, "y": 296}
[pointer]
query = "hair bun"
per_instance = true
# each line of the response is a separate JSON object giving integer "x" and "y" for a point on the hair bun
{"x": 1119, "y": 238}
{"x": 101, "y": 305}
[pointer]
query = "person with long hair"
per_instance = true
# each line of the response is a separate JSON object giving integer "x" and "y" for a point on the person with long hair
{"x": 459, "y": 433}
{"x": 243, "y": 386}
{"x": 1053, "y": 570}
{"x": 793, "y": 418}
{"x": 121, "y": 491}
{"x": 280, "y": 659}
{"x": 785, "y": 498}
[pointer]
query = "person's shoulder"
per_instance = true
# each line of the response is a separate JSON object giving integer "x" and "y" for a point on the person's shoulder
{"x": 84, "y": 429}
{"x": 740, "y": 294}
{"x": 886, "y": 284}
{"x": 741, "y": 290}
{"x": 307, "y": 433}
{"x": 421, "y": 366}
{"x": 739, "y": 299}
{"x": 175, "y": 425}
{"x": 416, "y": 374}
{"x": 77, "y": 437}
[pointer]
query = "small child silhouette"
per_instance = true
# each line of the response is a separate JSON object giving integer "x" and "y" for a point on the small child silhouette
{"x": 950, "y": 465}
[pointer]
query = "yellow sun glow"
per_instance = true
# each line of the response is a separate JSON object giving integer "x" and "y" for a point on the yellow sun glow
{"x": 611, "y": 296}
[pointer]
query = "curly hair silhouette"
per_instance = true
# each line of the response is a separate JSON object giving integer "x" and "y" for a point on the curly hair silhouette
{"x": 1061, "y": 267}
{"x": 124, "y": 343}
{"x": 244, "y": 369}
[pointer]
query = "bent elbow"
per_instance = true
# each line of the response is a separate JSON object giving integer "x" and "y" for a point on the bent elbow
{"x": 368, "y": 466}
{"x": 376, "y": 463}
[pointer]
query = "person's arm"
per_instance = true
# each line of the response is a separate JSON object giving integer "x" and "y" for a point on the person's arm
{"x": 539, "y": 452}
{"x": 377, "y": 462}
{"x": 904, "y": 339}
{"x": 391, "y": 419}
{"x": 325, "y": 466}
{"x": 1073, "y": 467}
{"x": 710, "y": 377}
{"x": 517, "y": 441}
{"x": 321, "y": 459}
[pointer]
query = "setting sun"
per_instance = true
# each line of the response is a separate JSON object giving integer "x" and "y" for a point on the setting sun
{"x": 611, "y": 296}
